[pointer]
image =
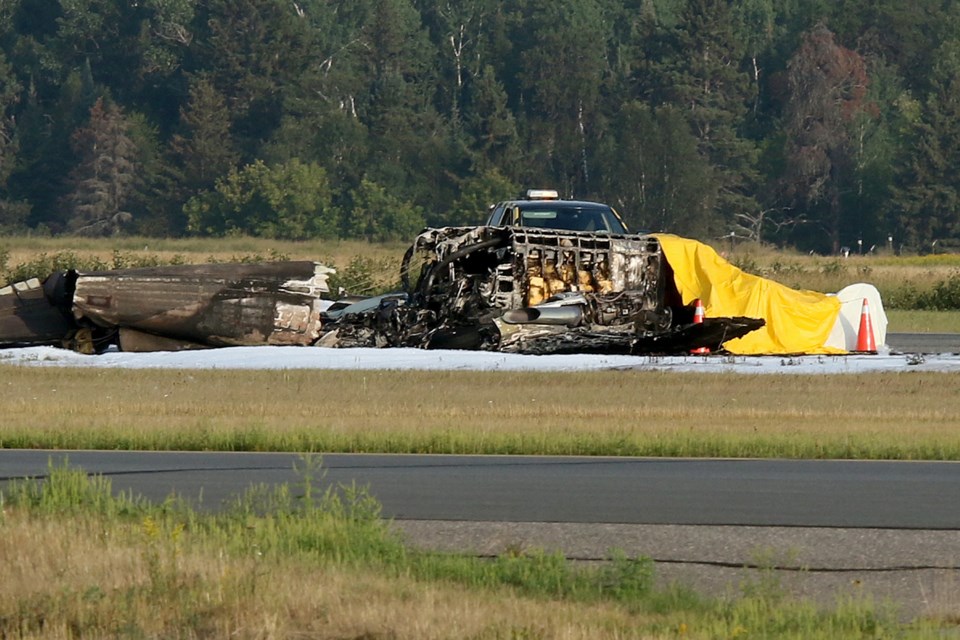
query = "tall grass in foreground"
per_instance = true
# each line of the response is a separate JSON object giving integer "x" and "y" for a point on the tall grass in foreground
{"x": 286, "y": 562}
{"x": 880, "y": 416}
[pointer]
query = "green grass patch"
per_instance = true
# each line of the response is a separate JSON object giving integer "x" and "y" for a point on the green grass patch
{"x": 695, "y": 443}
{"x": 922, "y": 321}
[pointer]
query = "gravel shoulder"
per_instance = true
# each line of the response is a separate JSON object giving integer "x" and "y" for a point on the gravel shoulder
{"x": 914, "y": 571}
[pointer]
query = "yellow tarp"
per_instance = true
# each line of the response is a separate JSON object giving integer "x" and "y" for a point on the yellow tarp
{"x": 796, "y": 321}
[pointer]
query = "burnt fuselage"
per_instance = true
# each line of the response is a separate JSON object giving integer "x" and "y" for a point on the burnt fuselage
{"x": 168, "y": 308}
{"x": 512, "y": 289}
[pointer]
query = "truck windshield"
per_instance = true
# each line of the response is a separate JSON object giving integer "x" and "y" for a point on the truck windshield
{"x": 570, "y": 217}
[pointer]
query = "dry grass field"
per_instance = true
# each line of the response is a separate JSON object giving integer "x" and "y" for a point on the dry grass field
{"x": 25, "y": 249}
{"x": 172, "y": 591}
{"x": 882, "y": 415}
{"x": 79, "y": 563}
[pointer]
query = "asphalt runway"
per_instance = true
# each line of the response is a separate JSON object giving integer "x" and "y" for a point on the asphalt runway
{"x": 924, "y": 342}
{"x": 792, "y": 493}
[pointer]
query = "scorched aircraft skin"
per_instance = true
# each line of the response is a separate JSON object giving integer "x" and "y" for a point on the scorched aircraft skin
{"x": 510, "y": 289}
{"x": 168, "y": 308}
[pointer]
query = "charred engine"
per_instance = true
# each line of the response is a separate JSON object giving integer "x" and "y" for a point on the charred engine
{"x": 534, "y": 290}
{"x": 529, "y": 290}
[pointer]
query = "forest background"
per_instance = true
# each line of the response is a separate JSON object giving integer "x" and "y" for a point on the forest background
{"x": 822, "y": 125}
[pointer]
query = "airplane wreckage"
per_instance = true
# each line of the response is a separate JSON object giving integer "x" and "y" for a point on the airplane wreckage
{"x": 508, "y": 289}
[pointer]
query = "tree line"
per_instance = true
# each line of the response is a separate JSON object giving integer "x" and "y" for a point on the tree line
{"x": 820, "y": 124}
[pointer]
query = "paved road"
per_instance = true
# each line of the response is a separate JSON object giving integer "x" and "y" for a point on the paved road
{"x": 802, "y": 493}
{"x": 924, "y": 342}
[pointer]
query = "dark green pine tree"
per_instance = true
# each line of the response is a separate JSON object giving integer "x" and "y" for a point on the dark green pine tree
{"x": 365, "y": 108}
{"x": 199, "y": 152}
{"x": 755, "y": 22}
{"x": 705, "y": 76}
{"x": 928, "y": 193}
{"x": 414, "y": 151}
{"x": 9, "y": 97}
{"x": 656, "y": 178}
{"x": 491, "y": 125}
{"x": 397, "y": 63}
{"x": 134, "y": 48}
{"x": 13, "y": 214}
{"x": 563, "y": 48}
{"x": 202, "y": 148}
{"x": 46, "y": 156}
{"x": 322, "y": 109}
{"x": 461, "y": 33}
{"x": 634, "y": 45}
{"x": 253, "y": 52}
{"x": 105, "y": 178}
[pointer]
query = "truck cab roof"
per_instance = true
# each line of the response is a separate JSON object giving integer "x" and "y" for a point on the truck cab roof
{"x": 548, "y": 212}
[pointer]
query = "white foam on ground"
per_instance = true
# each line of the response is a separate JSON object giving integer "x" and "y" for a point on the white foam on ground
{"x": 395, "y": 359}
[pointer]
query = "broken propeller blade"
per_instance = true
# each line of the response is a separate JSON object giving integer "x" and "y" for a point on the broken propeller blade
{"x": 711, "y": 333}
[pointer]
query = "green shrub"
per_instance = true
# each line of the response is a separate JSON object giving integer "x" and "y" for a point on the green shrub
{"x": 67, "y": 490}
{"x": 833, "y": 268}
{"x": 945, "y": 295}
{"x": 364, "y": 275}
{"x": 379, "y": 215}
{"x": 904, "y": 297}
{"x": 746, "y": 262}
{"x": 291, "y": 201}
{"x": 44, "y": 264}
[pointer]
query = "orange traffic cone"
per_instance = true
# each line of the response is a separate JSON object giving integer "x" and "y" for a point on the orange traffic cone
{"x": 698, "y": 316}
{"x": 865, "y": 340}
